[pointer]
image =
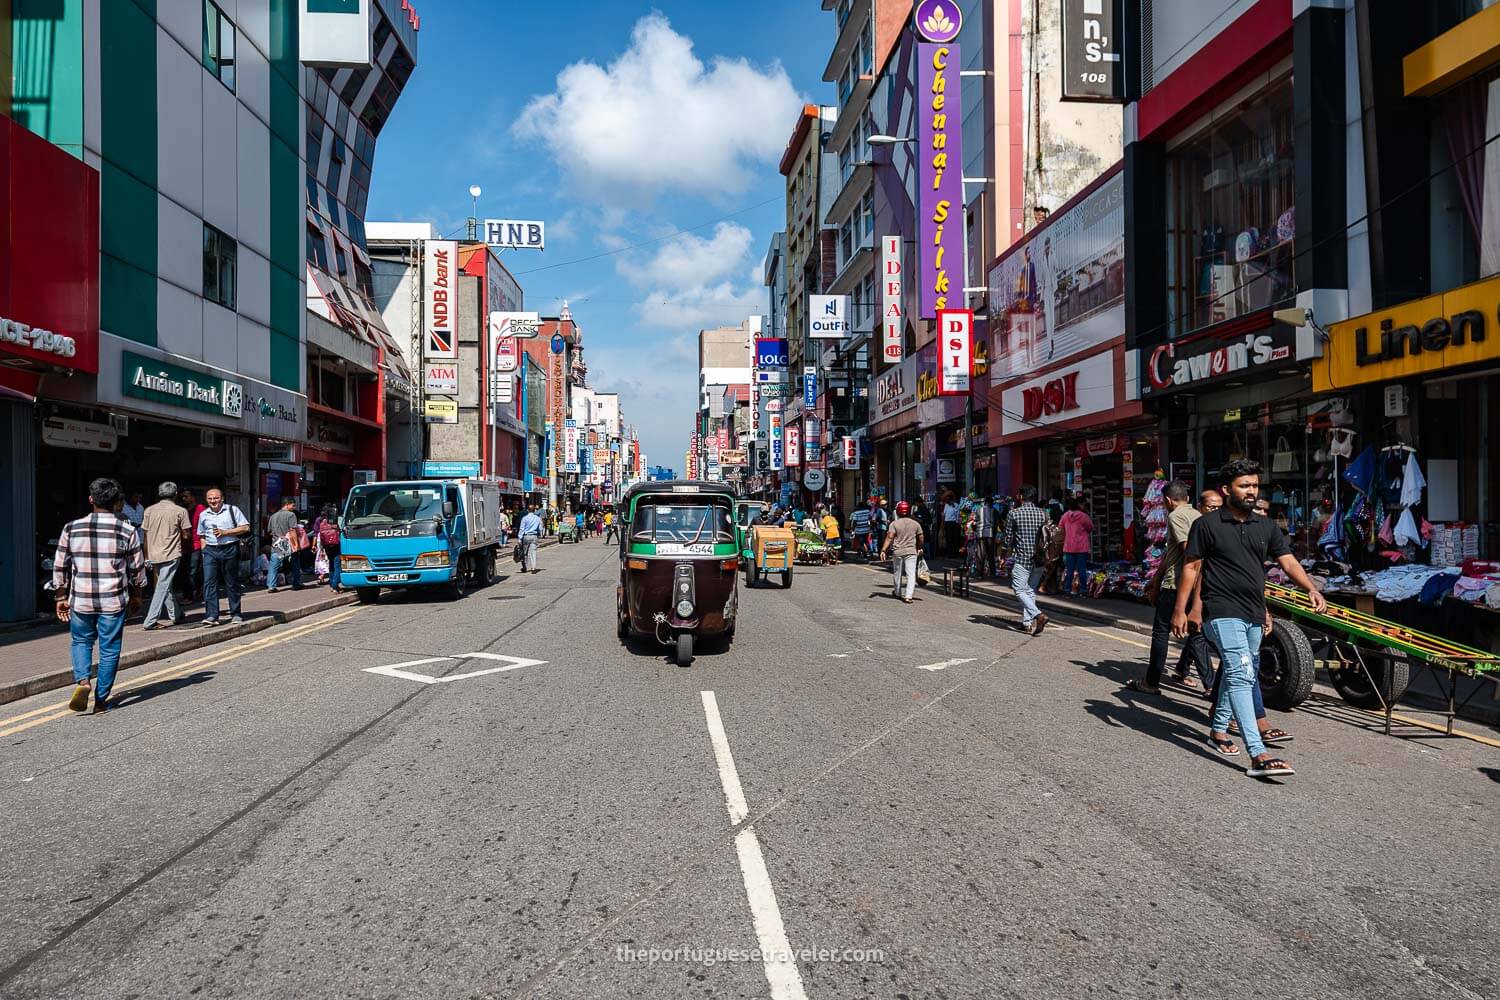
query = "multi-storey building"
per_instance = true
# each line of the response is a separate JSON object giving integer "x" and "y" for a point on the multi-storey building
{"x": 191, "y": 115}
{"x": 358, "y": 377}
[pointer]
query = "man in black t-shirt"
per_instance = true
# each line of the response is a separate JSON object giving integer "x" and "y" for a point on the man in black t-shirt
{"x": 1229, "y": 549}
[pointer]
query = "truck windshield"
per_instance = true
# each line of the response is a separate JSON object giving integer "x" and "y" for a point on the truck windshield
{"x": 678, "y": 522}
{"x": 393, "y": 504}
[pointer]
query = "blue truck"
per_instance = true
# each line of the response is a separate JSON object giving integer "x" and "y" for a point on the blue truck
{"x": 440, "y": 533}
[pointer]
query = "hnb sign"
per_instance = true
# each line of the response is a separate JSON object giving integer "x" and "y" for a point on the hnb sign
{"x": 515, "y": 234}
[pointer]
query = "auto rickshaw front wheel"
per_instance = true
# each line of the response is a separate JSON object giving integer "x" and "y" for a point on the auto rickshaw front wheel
{"x": 684, "y": 648}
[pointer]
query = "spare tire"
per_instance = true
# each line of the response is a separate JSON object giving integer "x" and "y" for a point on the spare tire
{"x": 1287, "y": 666}
{"x": 1390, "y": 669}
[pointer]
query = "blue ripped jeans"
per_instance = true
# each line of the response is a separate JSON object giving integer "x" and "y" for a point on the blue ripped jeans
{"x": 1238, "y": 643}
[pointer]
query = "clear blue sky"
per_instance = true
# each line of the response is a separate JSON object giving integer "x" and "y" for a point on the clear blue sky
{"x": 616, "y": 123}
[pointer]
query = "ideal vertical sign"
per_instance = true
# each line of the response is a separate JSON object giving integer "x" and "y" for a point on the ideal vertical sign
{"x": 955, "y": 351}
{"x": 1093, "y": 49}
{"x": 439, "y": 275}
{"x": 940, "y": 183}
{"x": 891, "y": 323}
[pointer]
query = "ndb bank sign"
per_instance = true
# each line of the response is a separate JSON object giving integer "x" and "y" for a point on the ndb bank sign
{"x": 828, "y": 317}
{"x": 515, "y": 234}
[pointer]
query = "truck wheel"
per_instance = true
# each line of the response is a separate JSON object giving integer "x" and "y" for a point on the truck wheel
{"x": 1286, "y": 666}
{"x": 684, "y": 648}
{"x": 1389, "y": 668}
{"x": 367, "y": 595}
{"x": 486, "y": 567}
{"x": 459, "y": 585}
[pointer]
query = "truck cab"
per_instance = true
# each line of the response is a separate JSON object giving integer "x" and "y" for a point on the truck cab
{"x": 414, "y": 533}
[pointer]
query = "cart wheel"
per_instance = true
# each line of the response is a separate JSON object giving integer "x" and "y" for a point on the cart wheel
{"x": 786, "y": 578}
{"x": 684, "y": 648}
{"x": 1390, "y": 669}
{"x": 749, "y": 573}
{"x": 1286, "y": 666}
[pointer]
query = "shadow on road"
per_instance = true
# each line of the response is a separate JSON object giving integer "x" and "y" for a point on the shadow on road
{"x": 1493, "y": 773}
{"x": 148, "y": 691}
{"x": 1128, "y": 714}
{"x": 995, "y": 621}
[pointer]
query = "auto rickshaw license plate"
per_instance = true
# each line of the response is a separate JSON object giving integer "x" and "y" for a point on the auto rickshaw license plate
{"x": 684, "y": 549}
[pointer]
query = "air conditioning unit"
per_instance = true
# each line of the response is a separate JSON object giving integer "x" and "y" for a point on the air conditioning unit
{"x": 121, "y": 423}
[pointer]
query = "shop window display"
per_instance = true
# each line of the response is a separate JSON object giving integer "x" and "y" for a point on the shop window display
{"x": 1232, "y": 222}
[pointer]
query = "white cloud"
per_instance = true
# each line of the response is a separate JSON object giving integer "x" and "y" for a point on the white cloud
{"x": 699, "y": 307}
{"x": 656, "y": 119}
{"x": 689, "y": 260}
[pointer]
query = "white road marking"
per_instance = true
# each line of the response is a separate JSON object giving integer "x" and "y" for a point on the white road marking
{"x": 734, "y": 795}
{"x": 782, "y": 974}
{"x": 398, "y": 669}
{"x": 781, "y": 969}
{"x": 945, "y": 664}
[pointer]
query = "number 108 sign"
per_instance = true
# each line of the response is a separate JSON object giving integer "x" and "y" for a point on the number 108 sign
{"x": 955, "y": 350}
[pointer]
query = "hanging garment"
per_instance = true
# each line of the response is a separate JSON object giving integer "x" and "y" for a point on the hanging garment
{"x": 1361, "y": 472}
{"x": 1341, "y": 444}
{"x": 1387, "y": 530}
{"x": 1407, "y": 532}
{"x": 1412, "y": 483}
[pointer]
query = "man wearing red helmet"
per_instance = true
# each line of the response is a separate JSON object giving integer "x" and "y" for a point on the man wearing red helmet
{"x": 903, "y": 540}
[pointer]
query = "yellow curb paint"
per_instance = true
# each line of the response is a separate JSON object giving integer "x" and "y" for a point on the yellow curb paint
{"x": 8, "y": 727}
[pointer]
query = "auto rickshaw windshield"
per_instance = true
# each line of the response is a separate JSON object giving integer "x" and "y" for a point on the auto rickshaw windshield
{"x": 677, "y": 521}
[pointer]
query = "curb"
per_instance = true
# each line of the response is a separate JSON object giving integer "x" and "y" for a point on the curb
{"x": 195, "y": 639}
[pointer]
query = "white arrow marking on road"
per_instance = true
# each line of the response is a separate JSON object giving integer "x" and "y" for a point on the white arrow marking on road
{"x": 781, "y": 968}
{"x": 398, "y": 669}
{"x": 944, "y": 665}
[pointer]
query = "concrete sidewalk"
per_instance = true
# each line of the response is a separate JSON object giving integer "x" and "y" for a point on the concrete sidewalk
{"x": 36, "y": 660}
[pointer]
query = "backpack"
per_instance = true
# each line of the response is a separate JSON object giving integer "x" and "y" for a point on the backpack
{"x": 1049, "y": 544}
{"x": 328, "y": 534}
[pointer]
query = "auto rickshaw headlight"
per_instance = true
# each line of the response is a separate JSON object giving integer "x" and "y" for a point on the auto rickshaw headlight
{"x": 684, "y": 608}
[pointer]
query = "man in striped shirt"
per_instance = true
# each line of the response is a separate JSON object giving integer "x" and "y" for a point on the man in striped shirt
{"x": 98, "y": 574}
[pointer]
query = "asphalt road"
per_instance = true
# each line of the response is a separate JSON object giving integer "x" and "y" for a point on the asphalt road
{"x": 917, "y": 801}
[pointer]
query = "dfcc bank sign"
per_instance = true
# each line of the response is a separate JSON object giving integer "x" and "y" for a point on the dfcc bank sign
{"x": 49, "y": 258}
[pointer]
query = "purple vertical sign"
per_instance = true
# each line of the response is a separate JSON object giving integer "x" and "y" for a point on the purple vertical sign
{"x": 940, "y": 181}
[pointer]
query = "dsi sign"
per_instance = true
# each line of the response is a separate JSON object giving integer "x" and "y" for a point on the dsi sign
{"x": 160, "y": 382}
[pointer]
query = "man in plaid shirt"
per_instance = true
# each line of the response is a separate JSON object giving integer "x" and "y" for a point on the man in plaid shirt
{"x": 1023, "y": 527}
{"x": 98, "y": 573}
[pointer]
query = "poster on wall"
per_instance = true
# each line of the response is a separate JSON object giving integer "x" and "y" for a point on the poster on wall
{"x": 1062, "y": 291}
{"x": 940, "y": 183}
{"x": 439, "y": 267}
{"x": 955, "y": 351}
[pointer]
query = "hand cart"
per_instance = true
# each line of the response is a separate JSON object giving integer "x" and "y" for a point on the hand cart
{"x": 1370, "y": 661}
